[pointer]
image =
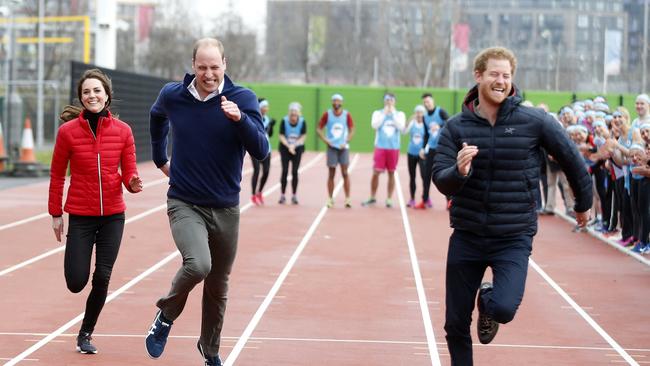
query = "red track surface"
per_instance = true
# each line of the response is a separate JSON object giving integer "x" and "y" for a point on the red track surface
{"x": 316, "y": 287}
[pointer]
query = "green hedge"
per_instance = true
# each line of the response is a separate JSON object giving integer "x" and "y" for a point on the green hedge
{"x": 362, "y": 101}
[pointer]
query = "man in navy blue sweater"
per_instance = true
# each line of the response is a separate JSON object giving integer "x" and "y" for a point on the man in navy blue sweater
{"x": 214, "y": 123}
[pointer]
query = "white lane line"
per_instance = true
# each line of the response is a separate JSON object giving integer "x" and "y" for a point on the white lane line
{"x": 146, "y": 185}
{"x": 248, "y": 331}
{"x": 45, "y": 214}
{"x": 422, "y": 297}
{"x": 24, "y": 221}
{"x": 335, "y": 340}
{"x": 62, "y": 247}
{"x": 79, "y": 317}
{"x": 609, "y": 241}
{"x": 583, "y": 314}
{"x": 27, "y": 359}
{"x": 352, "y": 341}
{"x": 127, "y": 221}
{"x": 123, "y": 289}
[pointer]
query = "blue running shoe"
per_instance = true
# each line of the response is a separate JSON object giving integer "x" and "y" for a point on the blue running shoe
{"x": 157, "y": 337}
{"x": 209, "y": 361}
{"x": 638, "y": 247}
{"x": 84, "y": 345}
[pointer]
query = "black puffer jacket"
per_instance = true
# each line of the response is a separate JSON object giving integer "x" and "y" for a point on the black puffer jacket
{"x": 497, "y": 198}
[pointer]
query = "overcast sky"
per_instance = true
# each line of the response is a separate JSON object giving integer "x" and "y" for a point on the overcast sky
{"x": 252, "y": 11}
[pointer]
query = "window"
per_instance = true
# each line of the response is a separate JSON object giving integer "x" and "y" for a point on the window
{"x": 583, "y": 21}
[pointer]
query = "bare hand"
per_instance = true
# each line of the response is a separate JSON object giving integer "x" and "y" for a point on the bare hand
{"x": 57, "y": 226}
{"x": 292, "y": 150}
{"x": 165, "y": 169}
{"x": 423, "y": 156}
{"x": 465, "y": 157}
{"x": 230, "y": 109}
{"x": 582, "y": 218}
{"x": 136, "y": 184}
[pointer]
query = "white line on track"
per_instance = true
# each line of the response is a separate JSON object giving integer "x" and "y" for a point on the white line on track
{"x": 422, "y": 297}
{"x": 127, "y": 221}
{"x": 45, "y": 214}
{"x": 248, "y": 331}
{"x": 583, "y": 314}
{"x": 22, "y": 356}
{"x": 146, "y": 185}
{"x": 609, "y": 241}
{"x": 335, "y": 340}
{"x": 24, "y": 221}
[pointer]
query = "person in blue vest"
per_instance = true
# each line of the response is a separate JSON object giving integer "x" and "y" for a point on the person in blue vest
{"x": 434, "y": 119}
{"x": 293, "y": 131}
{"x": 415, "y": 152}
{"x": 268, "y": 122}
{"x": 389, "y": 124}
{"x": 215, "y": 122}
{"x": 336, "y": 129}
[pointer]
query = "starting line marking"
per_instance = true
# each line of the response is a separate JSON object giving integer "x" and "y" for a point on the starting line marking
{"x": 416, "y": 344}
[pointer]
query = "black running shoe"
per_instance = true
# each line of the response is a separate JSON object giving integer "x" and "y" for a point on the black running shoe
{"x": 486, "y": 326}
{"x": 84, "y": 345}
{"x": 209, "y": 361}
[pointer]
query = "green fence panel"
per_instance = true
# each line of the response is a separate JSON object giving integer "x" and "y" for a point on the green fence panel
{"x": 361, "y": 101}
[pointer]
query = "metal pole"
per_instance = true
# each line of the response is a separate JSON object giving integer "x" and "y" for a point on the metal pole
{"x": 57, "y": 109}
{"x": 8, "y": 39}
{"x": 604, "y": 64}
{"x": 645, "y": 48}
{"x": 41, "y": 67}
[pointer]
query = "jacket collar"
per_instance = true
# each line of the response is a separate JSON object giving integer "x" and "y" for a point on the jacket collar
{"x": 507, "y": 106}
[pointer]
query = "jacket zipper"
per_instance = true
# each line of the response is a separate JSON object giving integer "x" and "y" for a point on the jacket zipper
{"x": 490, "y": 174}
{"x": 99, "y": 168}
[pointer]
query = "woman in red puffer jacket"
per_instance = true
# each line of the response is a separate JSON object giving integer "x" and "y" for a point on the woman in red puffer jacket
{"x": 101, "y": 152}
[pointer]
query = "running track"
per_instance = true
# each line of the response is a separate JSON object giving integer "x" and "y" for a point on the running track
{"x": 312, "y": 286}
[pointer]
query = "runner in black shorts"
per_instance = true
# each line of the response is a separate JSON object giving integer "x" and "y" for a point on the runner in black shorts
{"x": 336, "y": 129}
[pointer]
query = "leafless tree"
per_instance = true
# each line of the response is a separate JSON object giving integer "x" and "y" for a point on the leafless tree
{"x": 171, "y": 39}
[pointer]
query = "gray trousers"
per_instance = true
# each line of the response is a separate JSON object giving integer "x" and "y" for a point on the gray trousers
{"x": 207, "y": 240}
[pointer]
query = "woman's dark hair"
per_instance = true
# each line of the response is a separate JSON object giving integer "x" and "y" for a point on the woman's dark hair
{"x": 99, "y": 75}
{"x": 71, "y": 112}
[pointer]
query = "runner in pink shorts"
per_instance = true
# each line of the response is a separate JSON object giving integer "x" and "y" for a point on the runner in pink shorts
{"x": 389, "y": 124}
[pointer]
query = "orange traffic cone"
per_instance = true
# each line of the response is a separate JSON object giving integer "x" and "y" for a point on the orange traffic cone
{"x": 3, "y": 154}
{"x": 27, "y": 144}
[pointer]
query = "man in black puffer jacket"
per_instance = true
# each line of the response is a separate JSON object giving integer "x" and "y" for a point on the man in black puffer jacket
{"x": 488, "y": 161}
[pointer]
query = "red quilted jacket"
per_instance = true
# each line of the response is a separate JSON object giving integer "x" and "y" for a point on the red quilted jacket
{"x": 95, "y": 165}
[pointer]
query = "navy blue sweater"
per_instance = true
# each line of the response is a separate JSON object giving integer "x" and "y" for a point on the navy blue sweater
{"x": 208, "y": 148}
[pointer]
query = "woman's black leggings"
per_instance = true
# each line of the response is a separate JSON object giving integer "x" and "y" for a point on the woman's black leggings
{"x": 266, "y": 165}
{"x": 644, "y": 210}
{"x": 84, "y": 232}
{"x": 413, "y": 162}
{"x": 635, "y": 193}
{"x": 603, "y": 188}
{"x": 286, "y": 157}
{"x": 623, "y": 207}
